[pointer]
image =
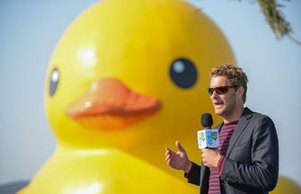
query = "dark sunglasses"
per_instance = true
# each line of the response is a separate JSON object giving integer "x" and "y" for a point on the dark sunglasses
{"x": 220, "y": 90}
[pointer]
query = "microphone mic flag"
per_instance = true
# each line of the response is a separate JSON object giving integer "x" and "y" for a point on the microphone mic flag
{"x": 208, "y": 138}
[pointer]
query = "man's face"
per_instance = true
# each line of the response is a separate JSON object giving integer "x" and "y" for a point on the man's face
{"x": 223, "y": 104}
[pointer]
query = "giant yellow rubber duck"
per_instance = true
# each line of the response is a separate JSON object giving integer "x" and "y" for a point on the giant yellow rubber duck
{"x": 127, "y": 79}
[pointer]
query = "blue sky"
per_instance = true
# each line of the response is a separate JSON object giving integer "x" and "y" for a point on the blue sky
{"x": 30, "y": 30}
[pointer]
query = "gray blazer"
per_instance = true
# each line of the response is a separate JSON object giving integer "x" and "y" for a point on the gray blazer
{"x": 252, "y": 158}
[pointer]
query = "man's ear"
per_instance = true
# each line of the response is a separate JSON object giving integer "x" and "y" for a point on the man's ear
{"x": 240, "y": 91}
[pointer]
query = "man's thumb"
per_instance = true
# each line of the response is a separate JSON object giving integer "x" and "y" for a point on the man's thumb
{"x": 179, "y": 146}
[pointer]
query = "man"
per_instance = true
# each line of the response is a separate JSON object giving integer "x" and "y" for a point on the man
{"x": 247, "y": 159}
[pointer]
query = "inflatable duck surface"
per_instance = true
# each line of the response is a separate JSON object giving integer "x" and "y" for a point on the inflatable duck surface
{"x": 127, "y": 79}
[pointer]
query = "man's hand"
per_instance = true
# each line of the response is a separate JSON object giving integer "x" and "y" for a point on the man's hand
{"x": 178, "y": 160}
{"x": 211, "y": 157}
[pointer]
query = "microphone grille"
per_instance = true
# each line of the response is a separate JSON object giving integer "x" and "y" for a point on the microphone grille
{"x": 206, "y": 120}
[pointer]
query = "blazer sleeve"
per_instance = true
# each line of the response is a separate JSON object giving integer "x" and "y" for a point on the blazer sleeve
{"x": 262, "y": 171}
{"x": 193, "y": 176}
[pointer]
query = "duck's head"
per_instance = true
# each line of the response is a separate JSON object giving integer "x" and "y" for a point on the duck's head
{"x": 133, "y": 74}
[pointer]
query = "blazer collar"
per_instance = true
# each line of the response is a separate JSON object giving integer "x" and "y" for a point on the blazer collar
{"x": 241, "y": 126}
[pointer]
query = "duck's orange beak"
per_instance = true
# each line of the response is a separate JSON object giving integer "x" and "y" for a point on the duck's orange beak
{"x": 110, "y": 104}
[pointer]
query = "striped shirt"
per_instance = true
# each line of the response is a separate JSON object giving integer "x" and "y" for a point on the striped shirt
{"x": 215, "y": 173}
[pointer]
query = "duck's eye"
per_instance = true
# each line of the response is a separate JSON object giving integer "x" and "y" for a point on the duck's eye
{"x": 54, "y": 81}
{"x": 183, "y": 73}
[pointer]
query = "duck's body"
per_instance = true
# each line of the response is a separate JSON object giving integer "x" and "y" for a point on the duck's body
{"x": 102, "y": 171}
{"x": 127, "y": 79}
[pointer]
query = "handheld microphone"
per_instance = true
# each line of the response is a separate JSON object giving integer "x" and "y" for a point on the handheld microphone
{"x": 208, "y": 138}
{"x": 206, "y": 120}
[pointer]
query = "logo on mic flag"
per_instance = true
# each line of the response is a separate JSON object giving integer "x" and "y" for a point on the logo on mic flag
{"x": 202, "y": 136}
{"x": 214, "y": 135}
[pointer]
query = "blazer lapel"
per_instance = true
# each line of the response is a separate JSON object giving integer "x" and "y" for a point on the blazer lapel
{"x": 241, "y": 126}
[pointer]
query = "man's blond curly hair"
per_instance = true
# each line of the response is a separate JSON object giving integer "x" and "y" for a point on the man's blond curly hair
{"x": 235, "y": 75}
